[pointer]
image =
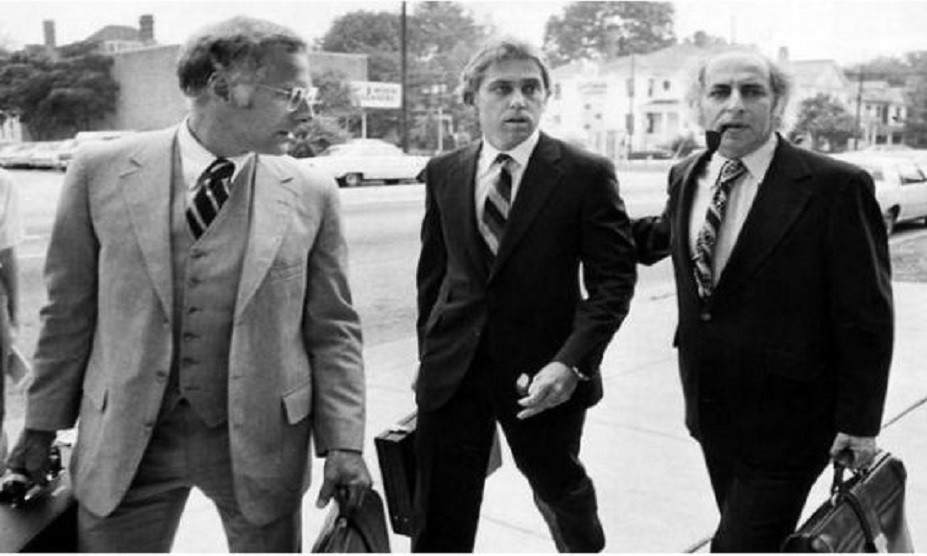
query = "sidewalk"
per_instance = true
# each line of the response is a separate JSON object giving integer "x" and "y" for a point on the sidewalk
{"x": 654, "y": 493}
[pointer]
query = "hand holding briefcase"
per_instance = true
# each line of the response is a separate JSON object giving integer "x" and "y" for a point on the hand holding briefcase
{"x": 864, "y": 513}
{"x": 396, "y": 454}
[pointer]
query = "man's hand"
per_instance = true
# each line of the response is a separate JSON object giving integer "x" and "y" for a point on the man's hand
{"x": 30, "y": 455}
{"x": 346, "y": 470}
{"x": 853, "y": 452}
{"x": 552, "y": 386}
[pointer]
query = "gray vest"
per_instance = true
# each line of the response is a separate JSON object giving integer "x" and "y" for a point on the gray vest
{"x": 205, "y": 277}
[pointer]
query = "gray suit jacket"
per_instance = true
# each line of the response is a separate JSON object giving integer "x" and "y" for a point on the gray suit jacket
{"x": 104, "y": 351}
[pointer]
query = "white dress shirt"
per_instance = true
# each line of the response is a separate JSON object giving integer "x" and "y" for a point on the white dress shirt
{"x": 195, "y": 158}
{"x": 739, "y": 201}
{"x": 487, "y": 172}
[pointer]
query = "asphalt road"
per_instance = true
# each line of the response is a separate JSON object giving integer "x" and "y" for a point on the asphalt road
{"x": 382, "y": 229}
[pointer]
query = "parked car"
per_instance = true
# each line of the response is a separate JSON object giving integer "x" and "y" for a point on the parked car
{"x": 47, "y": 154}
{"x": 16, "y": 156}
{"x": 360, "y": 160}
{"x": 900, "y": 181}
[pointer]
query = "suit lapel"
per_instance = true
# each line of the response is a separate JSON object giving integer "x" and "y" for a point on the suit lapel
{"x": 780, "y": 200}
{"x": 460, "y": 193}
{"x": 683, "y": 217}
{"x": 541, "y": 176}
{"x": 146, "y": 189}
{"x": 272, "y": 200}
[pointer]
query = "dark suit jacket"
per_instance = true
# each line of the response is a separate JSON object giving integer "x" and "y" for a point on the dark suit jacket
{"x": 527, "y": 303}
{"x": 800, "y": 326}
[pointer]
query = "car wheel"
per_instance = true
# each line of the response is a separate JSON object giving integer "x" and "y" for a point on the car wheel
{"x": 353, "y": 179}
{"x": 889, "y": 218}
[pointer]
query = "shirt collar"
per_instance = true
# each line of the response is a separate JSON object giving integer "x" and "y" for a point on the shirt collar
{"x": 757, "y": 162}
{"x": 195, "y": 158}
{"x": 520, "y": 154}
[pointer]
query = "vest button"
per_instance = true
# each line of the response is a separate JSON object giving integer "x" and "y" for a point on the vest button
{"x": 705, "y": 316}
{"x": 190, "y": 336}
{"x": 191, "y": 310}
{"x": 188, "y": 361}
{"x": 197, "y": 254}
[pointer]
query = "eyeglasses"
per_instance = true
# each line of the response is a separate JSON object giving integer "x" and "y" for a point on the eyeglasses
{"x": 295, "y": 97}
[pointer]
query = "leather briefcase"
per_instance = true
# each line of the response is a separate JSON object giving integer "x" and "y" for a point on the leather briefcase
{"x": 864, "y": 513}
{"x": 46, "y": 523}
{"x": 360, "y": 530}
{"x": 396, "y": 454}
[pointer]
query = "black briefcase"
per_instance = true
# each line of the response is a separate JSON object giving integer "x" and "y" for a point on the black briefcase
{"x": 45, "y": 523}
{"x": 360, "y": 530}
{"x": 396, "y": 454}
{"x": 864, "y": 513}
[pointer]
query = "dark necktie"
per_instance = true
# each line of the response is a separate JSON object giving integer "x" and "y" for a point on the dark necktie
{"x": 731, "y": 171}
{"x": 212, "y": 192}
{"x": 497, "y": 204}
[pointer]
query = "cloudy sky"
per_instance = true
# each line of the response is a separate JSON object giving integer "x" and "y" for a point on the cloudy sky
{"x": 843, "y": 30}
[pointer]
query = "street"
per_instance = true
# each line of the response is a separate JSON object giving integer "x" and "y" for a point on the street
{"x": 382, "y": 228}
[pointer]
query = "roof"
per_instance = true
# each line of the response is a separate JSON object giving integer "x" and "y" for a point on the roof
{"x": 115, "y": 33}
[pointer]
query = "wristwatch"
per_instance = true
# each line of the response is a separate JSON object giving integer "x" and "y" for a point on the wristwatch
{"x": 579, "y": 375}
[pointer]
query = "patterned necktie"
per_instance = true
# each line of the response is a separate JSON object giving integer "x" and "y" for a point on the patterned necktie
{"x": 731, "y": 171}
{"x": 211, "y": 193}
{"x": 497, "y": 204}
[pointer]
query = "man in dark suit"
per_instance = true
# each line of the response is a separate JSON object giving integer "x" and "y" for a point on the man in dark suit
{"x": 785, "y": 306}
{"x": 505, "y": 333}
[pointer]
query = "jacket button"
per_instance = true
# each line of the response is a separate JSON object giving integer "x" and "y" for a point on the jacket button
{"x": 705, "y": 316}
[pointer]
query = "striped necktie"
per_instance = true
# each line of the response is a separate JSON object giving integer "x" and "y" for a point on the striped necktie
{"x": 497, "y": 204}
{"x": 212, "y": 192}
{"x": 731, "y": 172}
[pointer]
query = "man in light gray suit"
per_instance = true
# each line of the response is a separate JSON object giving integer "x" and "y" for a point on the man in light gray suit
{"x": 199, "y": 327}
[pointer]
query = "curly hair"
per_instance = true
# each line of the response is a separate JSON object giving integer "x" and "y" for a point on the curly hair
{"x": 496, "y": 51}
{"x": 238, "y": 46}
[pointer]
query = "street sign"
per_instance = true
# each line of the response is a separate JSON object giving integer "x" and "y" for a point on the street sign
{"x": 371, "y": 94}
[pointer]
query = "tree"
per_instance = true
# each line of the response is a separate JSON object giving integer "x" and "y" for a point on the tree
{"x": 375, "y": 34}
{"x": 702, "y": 39}
{"x": 826, "y": 122}
{"x": 592, "y": 30}
{"x": 57, "y": 97}
{"x": 441, "y": 38}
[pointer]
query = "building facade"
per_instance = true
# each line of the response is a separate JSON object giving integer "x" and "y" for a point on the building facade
{"x": 636, "y": 105}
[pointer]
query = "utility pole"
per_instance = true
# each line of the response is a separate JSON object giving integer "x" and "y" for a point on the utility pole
{"x": 403, "y": 119}
{"x": 859, "y": 104}
{"x": 630, "y": 122}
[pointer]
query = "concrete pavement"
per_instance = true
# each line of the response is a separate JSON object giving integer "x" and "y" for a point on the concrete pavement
{"x": 654, "y": 493}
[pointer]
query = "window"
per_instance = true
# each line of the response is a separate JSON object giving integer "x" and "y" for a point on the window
{"x": 666, "y": 85}
{"x": 556, "y": 91}
{"x": 650, "y": 83}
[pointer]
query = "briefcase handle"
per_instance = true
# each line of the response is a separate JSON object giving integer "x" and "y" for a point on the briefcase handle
{"x": 841, "y": 490}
